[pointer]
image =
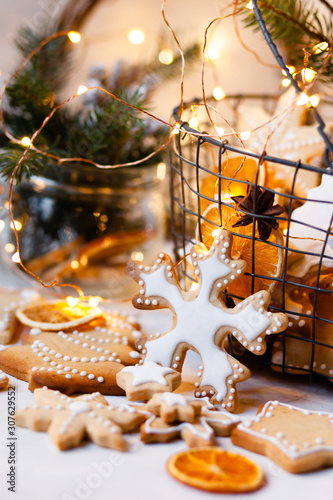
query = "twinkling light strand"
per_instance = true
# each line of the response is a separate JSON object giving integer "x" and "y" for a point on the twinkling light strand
{"x": 241, "y": 41}
{"x": 182, "y": 78}
{"x": 203, "y": 78}
{"x": 276, "y": 119}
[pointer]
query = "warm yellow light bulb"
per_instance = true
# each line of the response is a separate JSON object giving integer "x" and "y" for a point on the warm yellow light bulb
{"x": 72, "y": 301}
{"x": 212, "y": 52}
{"x": 176, "y": 129}
{"x": 94, "y": 301}
{"x": 165, "y": 56}
{"x": 193, "y": 122}
{"x": 137, "y": 256}
{"x": 291, "y": 69}
{"x": 303, "y": 99}
{"x": 218, "y": 93}
{"x": 249, "y": 5}
{"x": 16, "y": 257}
{"x": 308, "y": 74}
{"x": 25, "y": 141}
{"x": 75, "y": 264}
{"x": 245, "y": 135}
{"x": 314, "y": 100}
{"x": 136, "y": 36}
{"x": 82, "y": 89}
{"x": 285, "y": 82}
{"x": 74, "y": 36}
{"x": 320, "y": 47}
{"x": 2, "y": 225}
{"x": 219, "y": 130}
{"x": 17, "y": 224}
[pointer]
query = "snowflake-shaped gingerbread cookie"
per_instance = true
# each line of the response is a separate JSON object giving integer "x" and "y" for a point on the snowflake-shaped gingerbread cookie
{"x": 69, "y": 420}
{"x": 202, "y": 321}
{"x": 197, "y": 422}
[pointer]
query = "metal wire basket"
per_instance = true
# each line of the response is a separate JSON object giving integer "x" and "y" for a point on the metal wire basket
{"x": 197, "y": 160}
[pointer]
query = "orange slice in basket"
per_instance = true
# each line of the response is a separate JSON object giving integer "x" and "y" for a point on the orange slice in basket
{"x": 214, "y": 469}
{"x": 268, "y": 258}
{"x": 56, "y": 316}
{"x": 239, "y": 169}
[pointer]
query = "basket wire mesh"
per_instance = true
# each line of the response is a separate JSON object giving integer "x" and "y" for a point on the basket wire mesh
{"x": 306, "y": 347}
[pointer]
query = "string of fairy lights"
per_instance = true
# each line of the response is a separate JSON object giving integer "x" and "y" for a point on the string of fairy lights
{"x": 136, "y": 36}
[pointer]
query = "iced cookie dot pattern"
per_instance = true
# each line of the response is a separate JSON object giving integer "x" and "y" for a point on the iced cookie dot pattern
{"x": 202, "y": 320}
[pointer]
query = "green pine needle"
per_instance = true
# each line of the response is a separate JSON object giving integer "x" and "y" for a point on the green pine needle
{"x": 298, "y": 25}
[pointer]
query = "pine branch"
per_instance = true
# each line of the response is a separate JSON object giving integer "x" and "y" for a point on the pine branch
{"x": 298, "y": 25}
{"x": 327, "y": 4}
{"x": 102, "y": 130}
{"x": 302, "y": 24}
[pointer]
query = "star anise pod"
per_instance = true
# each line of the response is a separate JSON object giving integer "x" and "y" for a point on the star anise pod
{"x": 263, "y": 206}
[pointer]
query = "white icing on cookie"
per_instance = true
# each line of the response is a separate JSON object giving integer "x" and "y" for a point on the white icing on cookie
{"x": 199, "y": 320}
{"x": 204, "y": 432}
{"x": 35, "y": 331}
{"x": 147, "y": 373}
{"x": 79, "y": 407}
{"x": 172, "y": 399}
{"x": 310, "y": 223}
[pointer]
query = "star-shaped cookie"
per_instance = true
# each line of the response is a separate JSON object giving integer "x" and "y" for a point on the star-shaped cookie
{"x": 69, "y": 420}
{"x": 297, "y": 440}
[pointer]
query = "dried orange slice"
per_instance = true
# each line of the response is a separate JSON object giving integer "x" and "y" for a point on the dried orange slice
{"x": 239, "y": 169}
{"x": 263, "y": 259}
{"x": 56, "y": 316}
{"x": 214, "y": 469}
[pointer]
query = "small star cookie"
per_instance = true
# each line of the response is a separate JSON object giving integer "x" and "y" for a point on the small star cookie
{"x": 141, "y": 382}
{"x": 155, "y": 430}
{"x": 171, "y": 407}
{"x": 297, "y": 440}
{"x": 197, "y": 422}
{"x": 69, "y": 420}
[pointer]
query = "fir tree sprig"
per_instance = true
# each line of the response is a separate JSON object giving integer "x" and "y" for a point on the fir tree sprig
{"x": 299, "y": 26}
{"x": 102, "y": 130}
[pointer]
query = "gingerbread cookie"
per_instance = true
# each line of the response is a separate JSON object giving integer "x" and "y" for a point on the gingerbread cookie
{"x": 173, "y": 407}
{"x": 198, "y": 433}
{"x": 80, "y": 361}
{"x": 3, "y": 380}
{"x": 141, "y": 382}
{"x": 201, "y": 319}
{"x": 303, "y": 350}
{"x": 197, "y": 422}
{"x": 308, "y": 229}
{"x": 69, "y": 420}
{"x": 221, "y": 421}
{"x": 297, "y": 440}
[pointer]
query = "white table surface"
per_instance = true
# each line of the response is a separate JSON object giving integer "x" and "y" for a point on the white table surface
{"x": 94, "y": 473}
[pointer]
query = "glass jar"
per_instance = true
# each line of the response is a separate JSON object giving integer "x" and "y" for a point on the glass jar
{"x": 82, "y": 225}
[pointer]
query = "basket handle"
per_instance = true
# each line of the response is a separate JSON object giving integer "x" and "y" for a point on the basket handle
{"x": 280, "y": 61}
